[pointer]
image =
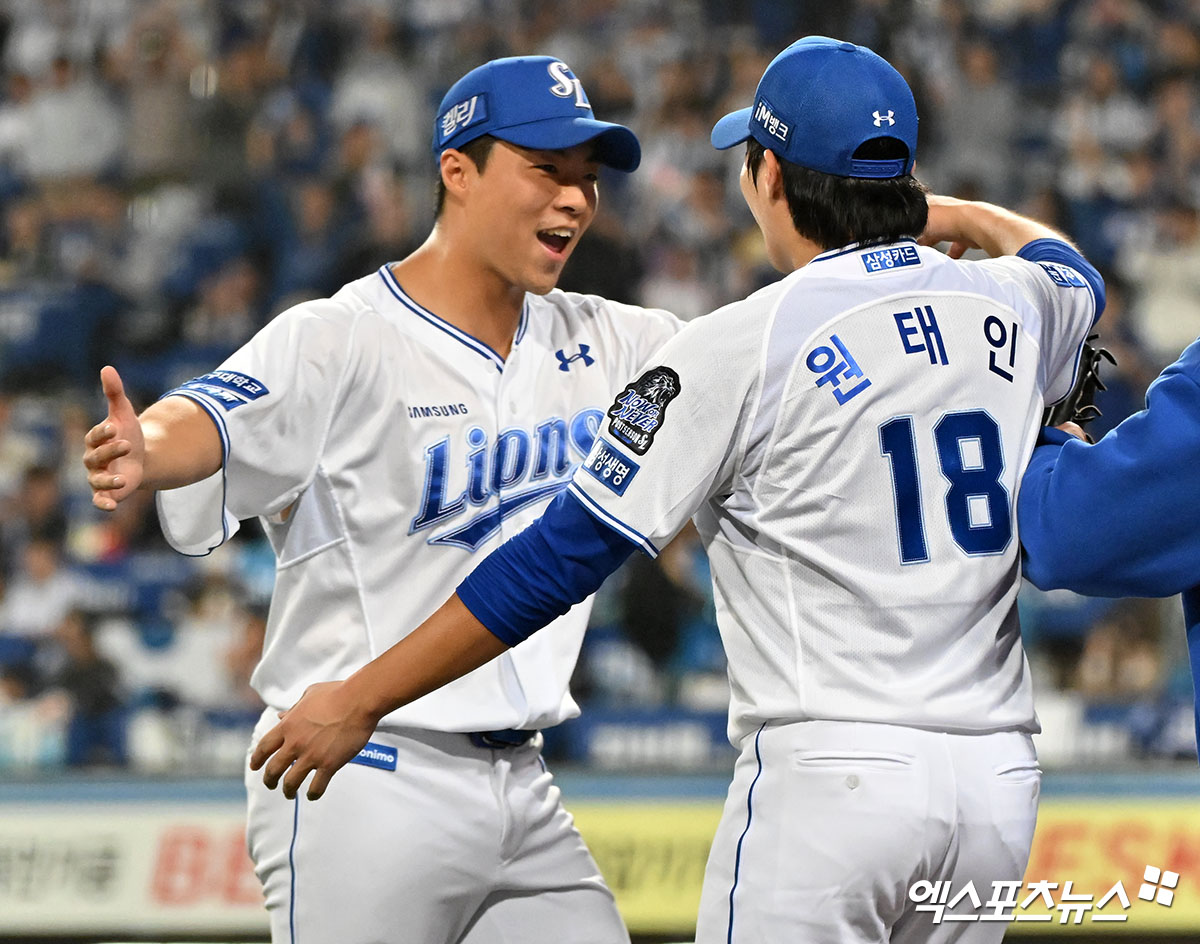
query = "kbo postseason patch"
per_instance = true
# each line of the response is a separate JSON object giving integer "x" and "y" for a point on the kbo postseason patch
{"x": 641, "y": 408}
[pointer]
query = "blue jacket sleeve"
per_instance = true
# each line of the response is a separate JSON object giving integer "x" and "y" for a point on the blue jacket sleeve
{"x": 1191, "y": 616}
{"x": 1122, "y": 517}
{"x": 539, "y": 574}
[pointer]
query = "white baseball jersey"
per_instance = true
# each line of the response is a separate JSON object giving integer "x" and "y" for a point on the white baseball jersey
{"x": 384, "y": 450}
{"x": 854, "y": 437}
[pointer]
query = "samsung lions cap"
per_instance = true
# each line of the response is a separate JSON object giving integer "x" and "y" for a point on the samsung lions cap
{"x": 818, "y": 101}
{"x": 530, "y": 101}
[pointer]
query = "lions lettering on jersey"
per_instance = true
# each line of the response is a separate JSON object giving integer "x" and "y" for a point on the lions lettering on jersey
{"x": 517, "y": 457}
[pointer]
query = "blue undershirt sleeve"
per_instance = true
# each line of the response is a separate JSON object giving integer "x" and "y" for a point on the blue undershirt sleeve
{"x": 539, "y": 574}
{"x": 1055, "y": 250}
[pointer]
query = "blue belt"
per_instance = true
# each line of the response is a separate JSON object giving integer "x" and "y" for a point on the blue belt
{"x": 497, "y": 740}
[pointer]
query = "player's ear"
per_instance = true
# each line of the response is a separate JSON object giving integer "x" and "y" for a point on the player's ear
{"x": 457, "y": 171}
{"x": 770, "y": 176}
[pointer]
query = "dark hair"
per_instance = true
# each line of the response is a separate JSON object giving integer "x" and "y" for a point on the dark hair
{"x": 836, "y": 211}
{"x": 478, "y": 151}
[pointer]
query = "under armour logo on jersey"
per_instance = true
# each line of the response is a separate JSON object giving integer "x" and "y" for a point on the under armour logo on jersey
{"x": 564, "y": 362}
{"x": 890, "y": 118}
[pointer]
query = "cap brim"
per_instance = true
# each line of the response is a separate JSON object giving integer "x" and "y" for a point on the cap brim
{"x": 733, "y": 129}
{"x": 616, "y": 146}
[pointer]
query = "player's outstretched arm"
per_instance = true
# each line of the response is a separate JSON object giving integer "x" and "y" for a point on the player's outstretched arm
{"x": 330, "y": 724}
{"x": 969, "y": 224}
{"x": 173, "y": 443}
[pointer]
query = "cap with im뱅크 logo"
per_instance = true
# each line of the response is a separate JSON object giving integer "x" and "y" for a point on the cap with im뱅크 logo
{"x": 533, "y": 102}
{"x": 819, "y": 101}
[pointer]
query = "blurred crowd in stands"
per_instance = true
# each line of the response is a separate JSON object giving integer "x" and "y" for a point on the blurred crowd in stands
{"x": 175, "y": 172}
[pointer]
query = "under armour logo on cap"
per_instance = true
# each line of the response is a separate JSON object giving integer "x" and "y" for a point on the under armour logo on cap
{"x": 801, "y": 104}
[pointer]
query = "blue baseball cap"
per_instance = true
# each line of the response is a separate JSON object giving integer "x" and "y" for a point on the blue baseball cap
{"x": 819, "y": 101}
{"x": 530, "y": 101}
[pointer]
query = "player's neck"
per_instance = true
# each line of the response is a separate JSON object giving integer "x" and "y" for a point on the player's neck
{"x": 787, "y": 250}
{"x": 802, "y": 252}
{"x": 454, "y": 288}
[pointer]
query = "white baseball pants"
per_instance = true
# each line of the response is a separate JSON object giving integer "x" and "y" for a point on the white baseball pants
{"x": 459, "y": 845}
{"x": 828, "y": 824}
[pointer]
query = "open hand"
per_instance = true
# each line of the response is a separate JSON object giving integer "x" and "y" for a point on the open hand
{"x": 115, "y": 450}
{"x": 322, "y": 732}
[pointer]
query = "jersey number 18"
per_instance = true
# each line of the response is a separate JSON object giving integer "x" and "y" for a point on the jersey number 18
{"x": 978, "y": 508}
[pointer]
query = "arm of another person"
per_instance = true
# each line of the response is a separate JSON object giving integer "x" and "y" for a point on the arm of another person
{"x": 173, "y": 443}
{"x": 1054, "y": 277}
{"x": 676, "y": 421}
{"x": 534, "y": 577}
{"x": 1121, "y": 517}
{"x": 970, "y": 224}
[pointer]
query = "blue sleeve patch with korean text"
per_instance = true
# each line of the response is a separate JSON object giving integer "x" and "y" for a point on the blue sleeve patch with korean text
{"x": 226, "y": 387}
{"x": 610, "y": 468}
{"x": 1062, "y": 275}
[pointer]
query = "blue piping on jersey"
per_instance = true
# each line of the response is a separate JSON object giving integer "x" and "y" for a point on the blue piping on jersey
{"x": 608, "y": 519}
{"x": 292, "y": 868}
{"x": 223, "y": 432}
{"x": 737, "y": 862}
{"x": 858, "y": 247}
{"x": 483, "y": 350}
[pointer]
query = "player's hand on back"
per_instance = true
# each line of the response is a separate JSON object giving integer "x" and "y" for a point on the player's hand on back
{"x": 115, "y": 450}
{"x": 946, "y": 225}
{"x": 322, "y": 732}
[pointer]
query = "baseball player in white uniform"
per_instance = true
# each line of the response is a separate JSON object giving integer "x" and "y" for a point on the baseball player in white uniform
{"x": 850, "y": 441}
{"x": 388, "y": 437}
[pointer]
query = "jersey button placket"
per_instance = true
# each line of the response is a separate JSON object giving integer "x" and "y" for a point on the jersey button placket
{"x": 507, "y": 417}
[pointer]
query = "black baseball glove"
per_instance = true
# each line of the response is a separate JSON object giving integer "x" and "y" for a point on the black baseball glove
{"x": 1079, "y": 406}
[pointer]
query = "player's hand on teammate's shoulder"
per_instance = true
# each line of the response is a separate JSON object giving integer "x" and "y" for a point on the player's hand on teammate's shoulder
{"x": 322, "y": 732}
{"x": 114, "y": 449}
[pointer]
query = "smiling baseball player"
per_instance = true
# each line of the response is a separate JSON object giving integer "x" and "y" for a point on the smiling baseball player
{"x": 849, "y": 440}
{"x": 387, "y": 436}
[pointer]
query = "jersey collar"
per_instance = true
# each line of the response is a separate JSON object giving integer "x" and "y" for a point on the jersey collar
{"x": 858, "y": 247}
{"x": 483, "y": 350}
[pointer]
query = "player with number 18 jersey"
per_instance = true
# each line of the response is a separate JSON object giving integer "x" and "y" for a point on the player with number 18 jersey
{"x": 854, "y": 437}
